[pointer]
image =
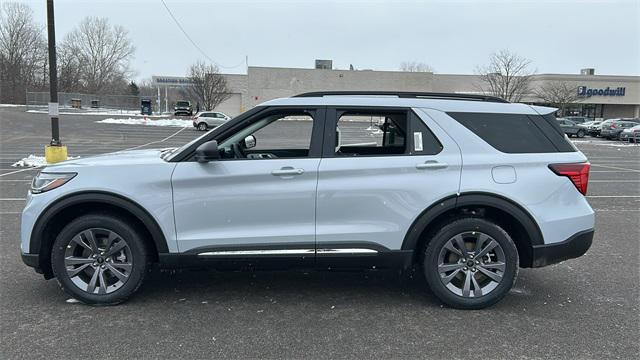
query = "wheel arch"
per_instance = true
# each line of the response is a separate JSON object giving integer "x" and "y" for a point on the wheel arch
{"x": 508, "y": 214}
{"x": 62, "y": 211}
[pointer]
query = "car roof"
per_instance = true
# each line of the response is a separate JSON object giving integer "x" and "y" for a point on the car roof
{"x": 446, "y": 105}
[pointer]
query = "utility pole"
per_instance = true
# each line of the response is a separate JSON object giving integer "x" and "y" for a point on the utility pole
{"x": 55, "y": 151}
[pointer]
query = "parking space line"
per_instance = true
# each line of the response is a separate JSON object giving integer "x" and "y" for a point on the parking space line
{"x": 17, "y": 171}
{"x": 15, "y": 180}
{"x": 13, "y": 199}
{"x": 613, "y": 181}
{"x": 615, "y": 167}
{"x": 610, "y": 171}
{"x": 613, "y": 196}
{"x": 157, "y": 141}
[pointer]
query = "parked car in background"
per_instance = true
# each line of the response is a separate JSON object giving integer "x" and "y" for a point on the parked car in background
{"x": 605, "y": 123}
{"x": 631, "y": 134}
{"x": 577, "y": 119}
{"x": 592, "y": 127}
{"x": 209, "y": 119}
{"x": 614, "y": 128}
{"x": 571, "y": 128}
{"x": 183, "y": 108}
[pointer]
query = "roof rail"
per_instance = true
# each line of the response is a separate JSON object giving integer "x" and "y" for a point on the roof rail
{"x": 406, "y": 94}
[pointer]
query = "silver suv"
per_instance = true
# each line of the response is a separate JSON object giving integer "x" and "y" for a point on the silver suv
{"x": 332, "y": 180}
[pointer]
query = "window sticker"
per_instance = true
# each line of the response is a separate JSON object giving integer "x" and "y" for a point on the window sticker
{"x": 417, "y": 141}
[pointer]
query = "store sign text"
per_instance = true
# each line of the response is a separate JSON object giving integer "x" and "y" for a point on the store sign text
{"x": 589, "y": 92}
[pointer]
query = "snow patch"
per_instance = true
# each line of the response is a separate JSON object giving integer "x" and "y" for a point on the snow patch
{"x": 149, "y": 122}
{"x": 97, "y": 112}
{"x": 604, "y": 143}
{"x": 10, "y": 105}
{"x": 35, "y": 161}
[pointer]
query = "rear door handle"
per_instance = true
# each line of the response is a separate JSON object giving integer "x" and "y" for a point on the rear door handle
{"x": 431, "y": 165}
{"x": 287, "y": 171}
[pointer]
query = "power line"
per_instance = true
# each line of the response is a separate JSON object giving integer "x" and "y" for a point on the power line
{"x": 194, "y": 43}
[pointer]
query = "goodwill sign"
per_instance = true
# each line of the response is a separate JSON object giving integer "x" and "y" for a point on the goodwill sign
{"x": 588, "y": 92}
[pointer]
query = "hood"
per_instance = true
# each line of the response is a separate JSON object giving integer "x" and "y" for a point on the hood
{"x": 130, "y": 157}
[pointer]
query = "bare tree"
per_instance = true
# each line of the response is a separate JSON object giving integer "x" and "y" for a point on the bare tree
{"x": 414, "y": 66}
{"x": 507, "y": 76}
{"x": 23, "y": 52}
{"x": 209, "y": 87}
{"x": 98, "y": 54}
{"x": 558, "y": 93}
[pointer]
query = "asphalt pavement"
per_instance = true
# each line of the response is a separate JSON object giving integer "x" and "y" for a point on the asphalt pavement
{"x": 586, "y": 308}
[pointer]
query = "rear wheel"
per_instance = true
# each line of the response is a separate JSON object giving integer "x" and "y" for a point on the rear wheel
{"x": 580, "y": 133}
{"x": 99, "y": 259}
{"x": 471, "y": 263}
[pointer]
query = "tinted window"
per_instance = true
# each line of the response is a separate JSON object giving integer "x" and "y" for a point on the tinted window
{"x": 516, "y": 133}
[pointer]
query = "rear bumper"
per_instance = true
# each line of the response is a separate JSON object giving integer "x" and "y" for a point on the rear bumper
{"x": 575, "y": 246}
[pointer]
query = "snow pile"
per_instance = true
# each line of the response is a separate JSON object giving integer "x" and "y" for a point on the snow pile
{"x": 604, "y": 143}
{"x": 149, "y": 122}
{"x": 35, "y": 161}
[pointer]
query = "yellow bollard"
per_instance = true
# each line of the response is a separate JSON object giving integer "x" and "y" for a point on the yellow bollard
{"x": 55, "y": 154}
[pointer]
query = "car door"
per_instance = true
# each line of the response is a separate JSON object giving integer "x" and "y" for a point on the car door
{"x": 380, "y": 169}
{"x": 260, "y": 203}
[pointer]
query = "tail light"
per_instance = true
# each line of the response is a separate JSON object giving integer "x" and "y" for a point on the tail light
{"x": 577, "y": 173}
{"x": 613, "y": 126}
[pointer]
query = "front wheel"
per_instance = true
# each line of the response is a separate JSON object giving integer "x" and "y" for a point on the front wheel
{"x": 471, "y": 263}
{"x": 99, "y": 259}
{"x": 202, "y": 127}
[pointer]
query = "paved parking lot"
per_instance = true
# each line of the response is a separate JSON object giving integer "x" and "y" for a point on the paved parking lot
{"x": 582, "y": 308}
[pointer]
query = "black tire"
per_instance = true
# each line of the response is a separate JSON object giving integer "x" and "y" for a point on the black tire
{"x": 472, "y": 225}
{"x": 580, "y": 134}
{"x": 202, "y": 126}
{"x": 107, "y": 222}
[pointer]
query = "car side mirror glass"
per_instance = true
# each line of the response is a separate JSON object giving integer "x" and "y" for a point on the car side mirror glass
{"x": 250, "y": 142}
{"x": 207, "y": 152}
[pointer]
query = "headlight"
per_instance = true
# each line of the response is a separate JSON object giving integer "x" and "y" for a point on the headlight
{"x": 49, "y": 181}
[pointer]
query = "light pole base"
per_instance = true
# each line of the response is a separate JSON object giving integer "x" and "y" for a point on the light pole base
{"x": 55, "y": 154}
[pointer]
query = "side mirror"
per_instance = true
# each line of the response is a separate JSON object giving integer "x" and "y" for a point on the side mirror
{"x": 207, "y": 152}
{"x": 250, "y": 142}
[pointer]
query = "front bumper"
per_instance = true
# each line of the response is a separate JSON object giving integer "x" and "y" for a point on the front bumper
{"x": 575, "y": 246}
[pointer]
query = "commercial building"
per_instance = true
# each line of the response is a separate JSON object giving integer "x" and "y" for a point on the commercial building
{"x": 600, "y": 96}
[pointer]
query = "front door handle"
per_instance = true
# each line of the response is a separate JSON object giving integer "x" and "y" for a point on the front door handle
{"x": 287, "y": 171}
{"x": 431, "y": 165}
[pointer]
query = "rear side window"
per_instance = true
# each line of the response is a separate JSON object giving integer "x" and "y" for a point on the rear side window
{"x": 516, "y": 133}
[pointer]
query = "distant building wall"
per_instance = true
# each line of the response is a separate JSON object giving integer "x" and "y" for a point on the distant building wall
{"x": 266, "y": 83}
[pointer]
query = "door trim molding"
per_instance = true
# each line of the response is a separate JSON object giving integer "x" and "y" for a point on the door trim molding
{"x": 271, "y": 252}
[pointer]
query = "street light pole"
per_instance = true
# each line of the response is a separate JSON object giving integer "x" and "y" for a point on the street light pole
{"x": 53, "y": 76}
{"x": 55, "y": 152}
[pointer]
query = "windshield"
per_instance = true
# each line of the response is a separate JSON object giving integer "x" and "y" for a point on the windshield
{"x": 182, "y": 103}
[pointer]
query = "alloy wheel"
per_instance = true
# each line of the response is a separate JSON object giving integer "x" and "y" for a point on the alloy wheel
{"x": 471, "y": 264}
{"x": 98, "y": 261}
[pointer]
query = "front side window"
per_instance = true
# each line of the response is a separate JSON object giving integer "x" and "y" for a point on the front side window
{"x": 371, "y": 133}
{"x": 276, "y": 135}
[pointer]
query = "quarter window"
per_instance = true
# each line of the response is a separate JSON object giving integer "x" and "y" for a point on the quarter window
{"x": 515, "y": 133}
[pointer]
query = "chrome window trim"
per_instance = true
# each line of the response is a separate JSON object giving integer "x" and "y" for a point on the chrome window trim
{"x": 288, "y": 252}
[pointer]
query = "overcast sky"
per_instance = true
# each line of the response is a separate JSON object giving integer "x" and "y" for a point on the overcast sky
{"x": 451, "y": 36}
